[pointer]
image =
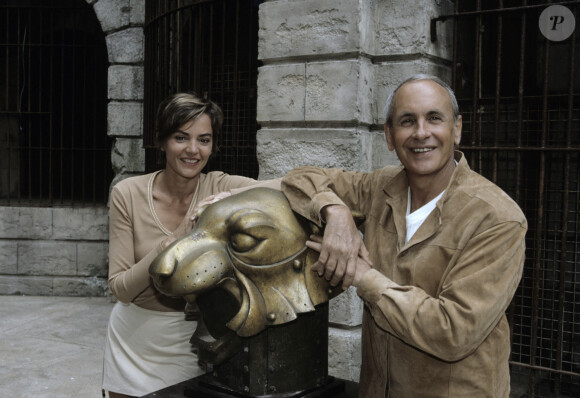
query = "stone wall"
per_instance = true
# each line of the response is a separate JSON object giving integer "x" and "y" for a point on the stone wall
{"x": 53, "y": 251}
{"x": 328, "y": 67}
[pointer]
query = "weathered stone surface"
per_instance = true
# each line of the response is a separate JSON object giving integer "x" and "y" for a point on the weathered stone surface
{"x": 320, "y": 91}
{"x": 381, "y": 156}
{"x": 92, "y": 259}
{"x": 125, "y": 119}
{"x": 128, "y": 156}
{"x": 25, "y": 222}
{"x": 126, "y": 46}
{"x": 47, "y": 258}
{"x": 113, "y": 14}
{"x": 346, "y": 309}
{"x": 401, "y": 29}
{"x": 8, "y": 257}
{"x": 338, "y": 91}
{"x": 24, "y": 285}
{"x": 125, "y": 82}
{"x": 282, "y": 150}
{"x": 306, "y": 28}
{"x": 281, "y": 93}
{"x": 81, "y": 223}
{"x": 91, "y": 287}
{"x": 137, "y": 12}
{"x": 344, "y": 353}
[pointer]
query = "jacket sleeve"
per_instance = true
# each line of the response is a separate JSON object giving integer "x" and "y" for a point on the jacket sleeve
{"x": 474, "y": 295}
{"x": 126, "y": 278}
{"x": 309, "y": 189}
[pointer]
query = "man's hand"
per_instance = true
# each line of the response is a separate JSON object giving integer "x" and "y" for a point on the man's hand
{"x": 340, "y": 247}
{"x": 361, "y": 267}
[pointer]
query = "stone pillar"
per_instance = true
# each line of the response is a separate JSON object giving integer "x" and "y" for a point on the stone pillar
{"x": 328, "y": 67}
{"x": 122, "y": 22}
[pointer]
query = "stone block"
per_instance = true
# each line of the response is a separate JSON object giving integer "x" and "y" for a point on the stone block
{"x": 128, "y": 156}
{"x": 402, "y": 29}
{"x": 346, "y": 309}
{"x": 80, "y": 287}
{"x": 87, "y": 223}
{"x": 47, "y": 258}
{"x": 125, "y": 119}
{"x": 126, "y": 46}
{"x": 280, "y": 150}
{"x": 339, "y": 91}
{"x": 92, "y": 259}
{"x": 25, "y": 222}
{"x": 344, "y": 353}
{"x": 8, "y": 257}
{"x": 381, "y": 156}
{"x": 126, "y": 82}
{"x": 113, "y": 14}
{"x": 308, "y": 28}
{"x": 137, "y": 12}
{"x": 281, "y": 93}
{"x": 28, "y": 286}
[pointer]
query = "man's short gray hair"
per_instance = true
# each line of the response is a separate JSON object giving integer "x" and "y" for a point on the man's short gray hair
{"x": 421, "y": 76}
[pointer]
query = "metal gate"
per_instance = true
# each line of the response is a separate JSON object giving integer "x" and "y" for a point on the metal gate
{"x": 54, "y": 148}
{"x": 519, "y": 96}
{"x": 209, "y": 47}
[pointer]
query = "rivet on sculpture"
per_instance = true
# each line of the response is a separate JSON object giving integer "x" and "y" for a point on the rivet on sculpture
{"x": 263, "y": 329}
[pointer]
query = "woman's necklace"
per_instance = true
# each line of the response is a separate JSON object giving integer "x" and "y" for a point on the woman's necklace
{"x": 152, "y": 207}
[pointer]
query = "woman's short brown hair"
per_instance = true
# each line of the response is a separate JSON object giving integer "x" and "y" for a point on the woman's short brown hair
{"x": 179, "y": 109}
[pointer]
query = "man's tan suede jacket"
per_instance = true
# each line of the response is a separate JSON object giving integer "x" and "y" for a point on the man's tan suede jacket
{"x": 434, "y": 323}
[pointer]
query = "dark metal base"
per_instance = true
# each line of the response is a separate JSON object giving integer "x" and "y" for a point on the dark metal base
{"x": 201, "y": 387}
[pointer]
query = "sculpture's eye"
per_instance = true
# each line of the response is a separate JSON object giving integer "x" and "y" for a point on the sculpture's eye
{"x": 249, "y": 230}
{"x": 242, "y": 242}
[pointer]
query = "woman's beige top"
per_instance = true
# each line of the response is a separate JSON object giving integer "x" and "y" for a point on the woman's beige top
{"x": 135, "y": 235}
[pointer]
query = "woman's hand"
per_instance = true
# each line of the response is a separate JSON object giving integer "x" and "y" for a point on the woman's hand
{"x": 188, "y": 221}
{"x": 202, "y": 204}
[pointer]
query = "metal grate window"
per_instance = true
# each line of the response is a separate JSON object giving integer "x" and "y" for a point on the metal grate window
{"x": 54, "y": 148}
{"x": 209, "y": 47}
{"x": 519, "y": 95}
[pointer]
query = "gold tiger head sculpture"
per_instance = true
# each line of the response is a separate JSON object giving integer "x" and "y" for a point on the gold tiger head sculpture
{"x": 251, "y": 248}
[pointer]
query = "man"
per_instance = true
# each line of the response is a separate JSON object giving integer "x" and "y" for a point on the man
{"x": 445, "y": 254}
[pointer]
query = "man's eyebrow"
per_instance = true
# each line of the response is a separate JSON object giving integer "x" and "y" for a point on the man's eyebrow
{"x": 405, "y": 114}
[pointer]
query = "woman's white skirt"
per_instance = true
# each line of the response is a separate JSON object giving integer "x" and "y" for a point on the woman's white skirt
{"x": 147, "y": 350}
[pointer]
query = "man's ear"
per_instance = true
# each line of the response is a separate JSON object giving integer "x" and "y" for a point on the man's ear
{"x": 390, "y": 143}
{"x": 458, "y": 126}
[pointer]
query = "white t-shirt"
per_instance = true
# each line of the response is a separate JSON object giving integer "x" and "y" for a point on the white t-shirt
{"x": 415, "y": 219}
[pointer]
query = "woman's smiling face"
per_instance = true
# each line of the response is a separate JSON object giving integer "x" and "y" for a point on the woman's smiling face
{"x": 188, "y": 149}
{"x": 423, "y": 131}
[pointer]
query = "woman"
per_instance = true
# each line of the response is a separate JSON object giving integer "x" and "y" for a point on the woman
{"x": 147, "y": 345}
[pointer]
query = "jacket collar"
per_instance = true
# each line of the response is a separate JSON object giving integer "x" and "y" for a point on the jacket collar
{"x": 396, "y": 197}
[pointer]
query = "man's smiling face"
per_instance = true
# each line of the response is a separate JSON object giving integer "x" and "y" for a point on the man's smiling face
{"x": 423, "y": 131}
